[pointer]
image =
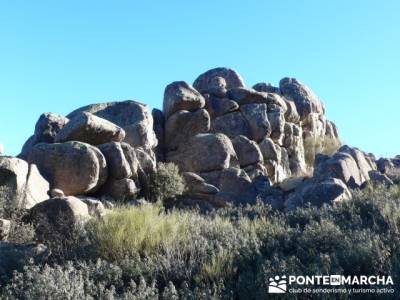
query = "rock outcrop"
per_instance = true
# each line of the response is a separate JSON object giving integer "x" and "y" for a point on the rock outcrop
{"x": 233, "y": 144}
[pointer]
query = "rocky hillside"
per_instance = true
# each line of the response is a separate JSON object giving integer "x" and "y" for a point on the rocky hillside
{"x": 233, "y": 145}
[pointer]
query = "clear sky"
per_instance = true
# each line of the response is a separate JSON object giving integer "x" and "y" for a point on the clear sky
{"x": 59, "y": 55}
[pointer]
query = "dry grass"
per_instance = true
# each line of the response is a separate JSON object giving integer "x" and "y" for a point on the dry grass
{"x": 318, "y": 145}
{"x": 129, "y": 230}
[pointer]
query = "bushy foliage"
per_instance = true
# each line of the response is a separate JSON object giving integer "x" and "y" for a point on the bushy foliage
{"x": 226, "y": 254}
{"x": 319, "y": 145}
{"x": 20, "y": 231}
{"x": 166, "y": 182}
{"x": 3, "y": 200}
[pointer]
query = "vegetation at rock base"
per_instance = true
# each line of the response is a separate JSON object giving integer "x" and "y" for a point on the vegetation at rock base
{"x": 318, "y": 145}
{"x": 166, "y": 182}
{"x": 144, "y": 252}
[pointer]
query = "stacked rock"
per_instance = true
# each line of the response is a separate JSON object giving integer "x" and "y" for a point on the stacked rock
{"x": 232, "y": 136}
{"x": 101, "y": 149}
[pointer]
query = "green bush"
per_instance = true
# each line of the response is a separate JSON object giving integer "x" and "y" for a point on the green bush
{"x": 166, "y": 182}
{"x": 319, "y": 145}
{"x": 227, "y": 254}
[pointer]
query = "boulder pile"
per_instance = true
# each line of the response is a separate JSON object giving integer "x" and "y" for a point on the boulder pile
{"x": 233, "y": 145}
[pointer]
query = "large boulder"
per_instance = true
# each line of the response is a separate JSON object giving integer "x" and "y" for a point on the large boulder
{"x": 246, "y": 96}
{"x": 203, "y": 153}
{"x": 179, "y": 95}
{"x": 256, "y": 116}
{"x": 305, "y": 99}
{"x": 132, "y": 116}
{"x": 330, "y": 191}
{"x": 73, "y": 167}
{"x": 58, "y": 217}
{"x": 88, "y": 128}
{"x": 47, "y": 127}
{"x": 379, "y": 178}
{"x": 119, "y": 189}
{"x": 21, "y": 184}
{"x": 118, "y": 166}
{"x": 217, "y": 87}
{"x": 341, "y": 166}
{"x": 195, "y": 184}
{"x": 247, "y": 151}
{"x": 270, "y": 150}
{"x": 389, "y": 165}
{"x": 184, "y": 124}
{"x": 219, "y": 106}
{"x": 206, "y": 81}
{"x": 233, "y": 181}
{"x": 231, "y": 124}
{"x": 364, "y": 163}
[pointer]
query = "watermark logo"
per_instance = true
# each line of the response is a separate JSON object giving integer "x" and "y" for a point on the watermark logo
{"x": 332, "y": 284}
{"x": 277, "y": 285}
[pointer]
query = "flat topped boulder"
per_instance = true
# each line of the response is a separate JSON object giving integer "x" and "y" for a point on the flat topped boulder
{"x": 132, "y": 116}
{"x": 88, "y": 128}
{"x": 179, "y": 95}
{"x": 305, "y": 99}
{"x": 206, "y": 81}
{"x": 73, "y": 167}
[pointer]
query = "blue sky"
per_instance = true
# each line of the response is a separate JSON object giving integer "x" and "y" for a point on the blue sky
{"x": 59, "y": 55}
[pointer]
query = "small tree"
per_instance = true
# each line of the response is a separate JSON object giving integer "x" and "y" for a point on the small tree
{"x": 166, "y": 182}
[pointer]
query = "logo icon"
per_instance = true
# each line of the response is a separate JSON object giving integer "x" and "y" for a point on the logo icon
{"x": 277, "y": 285}
{"x": 335, "y": 280}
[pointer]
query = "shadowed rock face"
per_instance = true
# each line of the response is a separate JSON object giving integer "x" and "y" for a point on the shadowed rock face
{"x": 204, "y": 153}
{"x": 90, "y": 129}
{"x": 206, "y": 81}
{"x": 179, "y": 95}
{"x": 304, "y": 98}
{"x": 73, "y": 167}
{"x": 134, "y": 117}
{"x": 233, "y": 144}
